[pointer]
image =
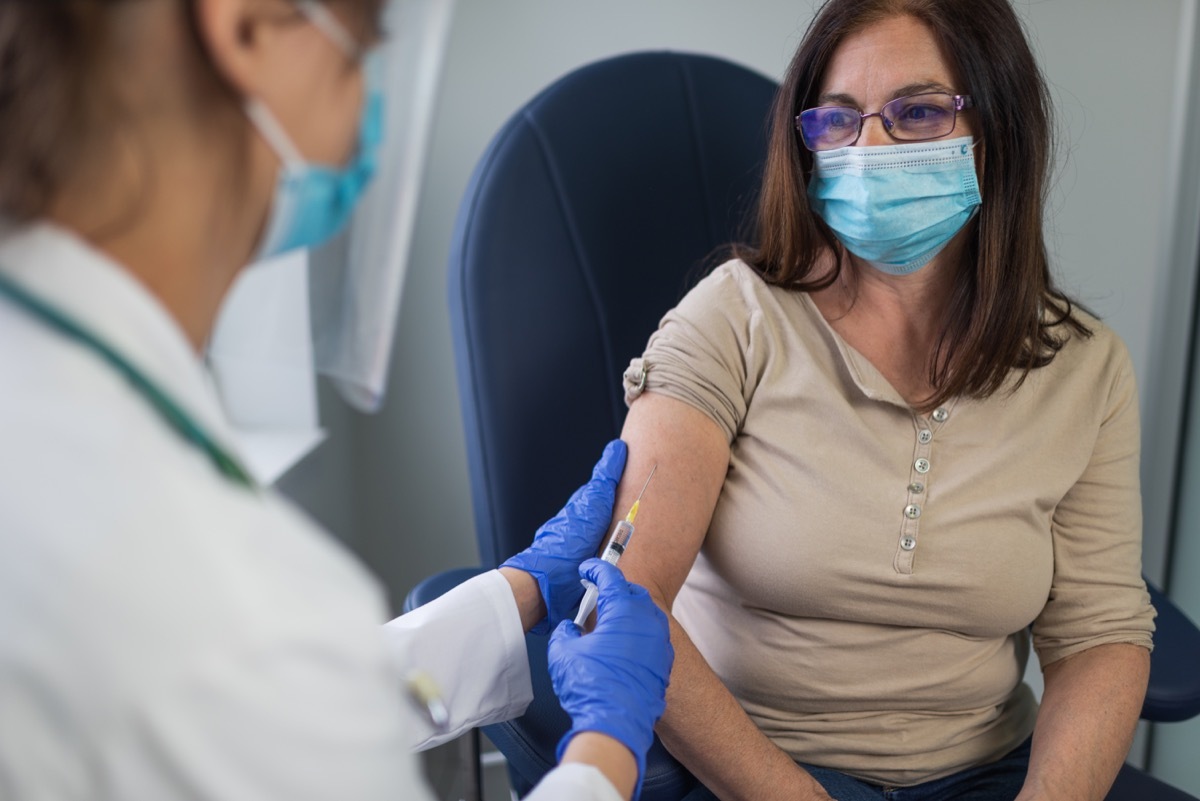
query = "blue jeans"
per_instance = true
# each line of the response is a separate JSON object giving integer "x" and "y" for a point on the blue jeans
{"x": 998, "y": 781}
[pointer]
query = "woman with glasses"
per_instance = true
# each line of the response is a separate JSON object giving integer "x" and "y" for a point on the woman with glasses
{"x": 898, "y": 447}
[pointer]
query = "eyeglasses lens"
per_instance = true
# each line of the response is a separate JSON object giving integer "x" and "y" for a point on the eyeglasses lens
{"x": 920, "y": 116}
{"x": 913, "y": 118}
{"x": 829, "y": 127}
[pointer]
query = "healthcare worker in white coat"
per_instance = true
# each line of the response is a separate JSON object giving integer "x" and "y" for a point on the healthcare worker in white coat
{"x": 169, "y": 630}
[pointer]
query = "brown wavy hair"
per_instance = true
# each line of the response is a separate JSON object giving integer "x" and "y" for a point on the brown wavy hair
{"x": 1006, "y": 316}
{"x": 53, "y": 102}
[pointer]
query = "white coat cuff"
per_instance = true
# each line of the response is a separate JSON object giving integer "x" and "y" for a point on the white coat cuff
{"x": 471, "y": 643}
{"x": 577, "y": 781}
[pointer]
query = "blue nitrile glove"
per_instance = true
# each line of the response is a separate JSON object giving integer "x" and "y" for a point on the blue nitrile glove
{"x": 614, "y": 680}
{"x": 574, "y": 534}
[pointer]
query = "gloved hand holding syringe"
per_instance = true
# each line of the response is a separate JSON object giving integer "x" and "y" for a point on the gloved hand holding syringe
{"x": 617, "y": 543}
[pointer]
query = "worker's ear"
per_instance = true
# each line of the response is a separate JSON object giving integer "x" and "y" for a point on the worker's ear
{"x": 244, "y": 39}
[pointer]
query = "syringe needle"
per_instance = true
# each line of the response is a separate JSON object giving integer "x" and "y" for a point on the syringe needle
{"x": 633, "y": 510}
{"x": 643, "y": 492}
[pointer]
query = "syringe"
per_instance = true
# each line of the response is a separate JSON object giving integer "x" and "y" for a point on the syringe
{"x": 621, "y": 535}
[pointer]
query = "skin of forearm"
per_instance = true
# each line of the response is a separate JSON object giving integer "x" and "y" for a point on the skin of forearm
{"x": 527, "y": 595}
{"x": 1085, "y": 727}
{"x": 609, "y": 756}
{"x": 706, "y": 729}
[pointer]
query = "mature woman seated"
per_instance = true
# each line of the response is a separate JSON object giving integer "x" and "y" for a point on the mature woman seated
{"x": 888, "y": 445}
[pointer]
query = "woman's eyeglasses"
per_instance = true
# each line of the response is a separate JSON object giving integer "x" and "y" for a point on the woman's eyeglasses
{"x": 916, "y": 118}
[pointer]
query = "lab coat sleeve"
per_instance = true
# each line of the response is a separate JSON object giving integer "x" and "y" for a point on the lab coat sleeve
{"x": 471, "y": 643}
{"x": 575, "y": 781}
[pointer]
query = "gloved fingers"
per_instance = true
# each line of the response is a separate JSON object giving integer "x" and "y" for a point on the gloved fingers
{"x": 560, "y": 639}
{"x": 608, "y": 578}
{"x": 591, "y": 505}
{"x": 620, "y": 598}
{"x": 574, "y": 534}
{"x": 564, "y": 633}
{"x": 612, "y": 462}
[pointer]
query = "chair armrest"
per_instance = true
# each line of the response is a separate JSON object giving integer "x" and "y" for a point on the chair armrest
{"x": 1174, "y": 691}
{"x": 438, "y": 585}
{"x": 1134, "y": 785}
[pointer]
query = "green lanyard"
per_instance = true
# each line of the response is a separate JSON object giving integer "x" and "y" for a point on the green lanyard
{"x": 170, "y": 411}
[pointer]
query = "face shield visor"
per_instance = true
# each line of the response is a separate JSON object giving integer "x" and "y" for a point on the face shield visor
{"x": 332, "y": 310}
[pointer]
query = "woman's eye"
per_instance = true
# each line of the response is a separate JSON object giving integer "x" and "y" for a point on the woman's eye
{"x": 840, "y": 119}
{"x": 920, "y": 113}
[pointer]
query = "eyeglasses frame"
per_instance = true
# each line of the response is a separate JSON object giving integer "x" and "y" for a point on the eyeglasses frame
{"x": 961, "y": 103}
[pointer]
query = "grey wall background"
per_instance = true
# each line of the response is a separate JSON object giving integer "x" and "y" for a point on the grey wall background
{"x": 395, "y": 486}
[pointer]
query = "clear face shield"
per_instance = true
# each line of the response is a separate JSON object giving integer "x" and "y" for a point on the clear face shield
{"x": 356, "y": 280}
{"x": 331, "y": 308}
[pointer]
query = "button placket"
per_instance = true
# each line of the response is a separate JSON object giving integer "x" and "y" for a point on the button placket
{"x": 926, "y": 428}
{"x": 919, "y": 470}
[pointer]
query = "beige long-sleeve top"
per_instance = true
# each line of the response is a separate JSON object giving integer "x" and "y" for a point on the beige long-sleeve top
{"x": 870, "y": 572}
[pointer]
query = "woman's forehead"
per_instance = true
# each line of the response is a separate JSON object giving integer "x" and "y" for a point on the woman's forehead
{"x": 887, "y": 59}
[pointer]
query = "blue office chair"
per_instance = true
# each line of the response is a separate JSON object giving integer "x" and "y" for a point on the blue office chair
{"x": 591, "y": 213}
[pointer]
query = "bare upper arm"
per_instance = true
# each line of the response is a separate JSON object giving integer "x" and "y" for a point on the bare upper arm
{"x": 692, "y": 455}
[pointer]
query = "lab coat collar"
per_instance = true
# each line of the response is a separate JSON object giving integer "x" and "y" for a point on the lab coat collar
{"x": 62, "y": 269}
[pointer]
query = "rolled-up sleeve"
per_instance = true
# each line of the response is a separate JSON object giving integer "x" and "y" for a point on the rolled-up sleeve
{"x": 1098, "y": 596}
{"x": 703, "y": 350}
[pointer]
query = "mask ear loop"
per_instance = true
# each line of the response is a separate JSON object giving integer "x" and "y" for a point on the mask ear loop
{"x": 980, "y": 162}
{"x": 264, "y": 120}
{"x": 270, "y": 129}
{"x": 327, "y": 22}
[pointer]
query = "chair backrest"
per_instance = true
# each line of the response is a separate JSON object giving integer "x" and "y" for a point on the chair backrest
{"x": 590, "y": 215}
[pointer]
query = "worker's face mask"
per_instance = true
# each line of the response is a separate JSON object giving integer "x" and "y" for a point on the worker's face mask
{"x": 313, "y": 202}
{"x": 896, "y": 206}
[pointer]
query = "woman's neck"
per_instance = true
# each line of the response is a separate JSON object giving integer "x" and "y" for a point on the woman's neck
{"x": 896, "y": 322}
{"x": 184, "y": 231}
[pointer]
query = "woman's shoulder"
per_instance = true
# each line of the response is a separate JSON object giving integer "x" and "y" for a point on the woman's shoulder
{"x": 1097, "y": 347}
{"x": 1092, "y": 366}
{"x": 739, "y": 289}
{"x": 739, "y": 273}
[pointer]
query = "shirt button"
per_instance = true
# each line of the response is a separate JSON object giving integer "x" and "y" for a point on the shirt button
{"x": 922, "y": 466}
{"x": 941, "y": 415}
{"x": 912, "y": 511}
{"x": 925, "y": 437}
{"x": 916, "y": 489}
{"x": 908, "y": 543}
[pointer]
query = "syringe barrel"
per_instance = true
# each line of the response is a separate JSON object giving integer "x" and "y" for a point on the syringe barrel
{"x": 618, "y": 542}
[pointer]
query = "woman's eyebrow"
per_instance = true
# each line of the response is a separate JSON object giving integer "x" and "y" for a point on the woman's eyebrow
{"x": 843, "y": 99}
{"x": 836, "y": 99}
{"x": 921, "y": 88}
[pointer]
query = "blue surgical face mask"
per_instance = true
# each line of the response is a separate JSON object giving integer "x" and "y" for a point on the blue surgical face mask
{"x": 313, "y": 202}
{"x": 896, "y": 206}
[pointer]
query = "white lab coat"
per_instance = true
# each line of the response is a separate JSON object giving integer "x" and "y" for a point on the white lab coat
{"x": 166, "y": 634}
